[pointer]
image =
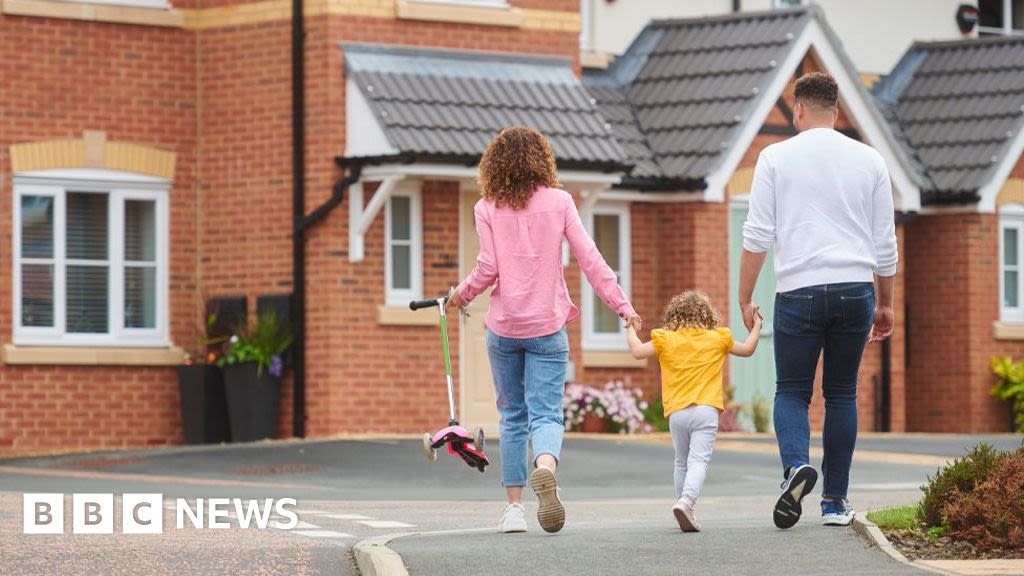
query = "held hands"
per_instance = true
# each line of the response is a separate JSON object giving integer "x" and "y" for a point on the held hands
{"x": 885, "y": 319}
{"x": 751, "y": 314}
{"x": 634, "y": 322}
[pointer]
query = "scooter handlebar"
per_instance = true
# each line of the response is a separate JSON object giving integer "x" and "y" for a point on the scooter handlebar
{"x": 417, "y": 304}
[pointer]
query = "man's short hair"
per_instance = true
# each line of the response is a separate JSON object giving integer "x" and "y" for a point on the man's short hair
{"x": 818, "y": 89}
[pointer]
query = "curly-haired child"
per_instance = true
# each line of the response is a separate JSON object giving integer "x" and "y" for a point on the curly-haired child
{"x": 692, "y": 349}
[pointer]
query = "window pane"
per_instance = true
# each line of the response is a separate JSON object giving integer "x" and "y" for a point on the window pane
{"x": 401, "y": 218}
{"x": 37, "y": 295}
{"x": 139, "y": 297}
{"x": 1010, "y": 246}
{"x": 401, "y": 267}
{"x": 140, "y": 230}
{"x": 86, "y": 226}
{"x": 1010, "y": 299}
{"x": 87, "y": 299}
{"x": 606, "y": 236}
{"x": 37, "y": 226}
{"x": 605, "y": 320}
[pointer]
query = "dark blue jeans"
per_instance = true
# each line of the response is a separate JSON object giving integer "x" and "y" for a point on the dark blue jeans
{"x": 834, "y": 319}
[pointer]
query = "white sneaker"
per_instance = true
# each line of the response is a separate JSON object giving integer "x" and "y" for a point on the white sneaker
{"x": 799, "y": 482}
{"x": 513, "y": 519}
{"x": 684, "y": 515}
{"x": 836, "y": 512}
{"x": 550, "y": 512}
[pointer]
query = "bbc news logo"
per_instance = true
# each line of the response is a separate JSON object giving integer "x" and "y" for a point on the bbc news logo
{"x": 144, "y": 513}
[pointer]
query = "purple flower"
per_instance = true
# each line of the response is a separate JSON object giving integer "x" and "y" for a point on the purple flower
{"x": 276, "y": 366}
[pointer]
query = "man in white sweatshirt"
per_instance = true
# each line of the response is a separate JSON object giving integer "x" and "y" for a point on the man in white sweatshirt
{"x": 823, "y": 201}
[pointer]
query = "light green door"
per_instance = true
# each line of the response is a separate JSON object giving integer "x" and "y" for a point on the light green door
{"x": 753, "y": 379}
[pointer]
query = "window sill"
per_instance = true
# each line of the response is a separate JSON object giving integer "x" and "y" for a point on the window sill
{"x": 611, "y": 359}
{"x": 393, "y": 316}
{"x": 97, "y": 356}
{"x": 1008, "y": 331}
{"x": 460, "y": 13}
{"x": 94, "y": 12}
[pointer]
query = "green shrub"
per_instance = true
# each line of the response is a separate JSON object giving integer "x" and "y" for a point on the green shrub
{"x": 991, "y": 517}
{"x": 954, "y": 480}
{"x": 761, "y": 413}
{"x": 1010, "y": 386}
{"x": 654, "y": 414}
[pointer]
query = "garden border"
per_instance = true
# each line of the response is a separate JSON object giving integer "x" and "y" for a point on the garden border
{"x": 874, "y": 535}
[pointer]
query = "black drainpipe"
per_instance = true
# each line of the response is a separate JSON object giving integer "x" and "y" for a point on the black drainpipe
{"x": 736, "y": 5}
{"x": 298, "y": 214}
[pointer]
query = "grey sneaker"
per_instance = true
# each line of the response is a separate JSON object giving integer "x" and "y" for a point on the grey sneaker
{"x": 513, "y": 519}
{"x": 550, "y": 513}
{"x": 837, "y": 512}
{"x": 799, "y": 482}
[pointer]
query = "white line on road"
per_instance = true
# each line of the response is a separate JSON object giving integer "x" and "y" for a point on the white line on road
{"x": 385, "y": 524}
{"x": 348, "y": 517}
{"x": 322, "y": 534}
{"x": 305, "y": 526}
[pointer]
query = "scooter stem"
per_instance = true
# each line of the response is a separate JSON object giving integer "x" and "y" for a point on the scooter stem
{"x": 447, "y": 358}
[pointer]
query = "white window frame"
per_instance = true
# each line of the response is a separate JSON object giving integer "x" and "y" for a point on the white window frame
{"x": 159, "y": 4}
{"x": 608, "y": 341}
{"x": 400, "y": 298}
{"x": 481, "y": 3}
{"x": 586, "y": 25}
{"x": 1007, "y": 28}
{"x": 780, "y": 4}
{"x": 119, "y": 187}
{"x": 1011, "y": 216}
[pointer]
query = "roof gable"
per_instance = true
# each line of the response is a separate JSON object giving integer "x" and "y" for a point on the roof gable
{"x": 699, "y": 90}
{"x": 445, "y": 105}
{"x": 678, "y": 96}
{"x": 958, "y": 109}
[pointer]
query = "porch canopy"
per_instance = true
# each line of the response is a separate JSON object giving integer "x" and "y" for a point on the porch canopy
{"x": 430, "y": 114}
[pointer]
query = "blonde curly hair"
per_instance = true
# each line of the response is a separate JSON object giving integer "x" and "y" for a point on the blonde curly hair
{"x": 691, "y": 309}
{"x": 517, "y": 162}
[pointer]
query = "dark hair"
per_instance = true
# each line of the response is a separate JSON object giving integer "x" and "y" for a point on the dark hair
{"x": 818, "y": 89}
{"x": 517, "y": 162}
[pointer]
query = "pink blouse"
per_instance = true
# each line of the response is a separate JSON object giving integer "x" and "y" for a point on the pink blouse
{"x": 521, "y": 255}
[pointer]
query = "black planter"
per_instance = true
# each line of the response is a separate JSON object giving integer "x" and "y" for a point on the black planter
{"x": 253, "y": 402}
{"x": 204, "y": 413}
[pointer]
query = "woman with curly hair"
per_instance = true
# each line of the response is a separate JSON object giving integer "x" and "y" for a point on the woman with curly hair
{"x": 521, "y": 221}
{"x": 691, "y": 349}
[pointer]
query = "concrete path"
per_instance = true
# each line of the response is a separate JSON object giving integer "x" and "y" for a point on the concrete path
{"x": 618, "y": 493}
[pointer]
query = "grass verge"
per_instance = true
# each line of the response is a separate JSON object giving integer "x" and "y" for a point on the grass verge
{"x": 895, "y": 518}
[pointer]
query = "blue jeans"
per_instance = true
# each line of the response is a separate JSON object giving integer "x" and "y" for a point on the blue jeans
{"x": 836, "y": 319}
{"x": 529, "y": 382}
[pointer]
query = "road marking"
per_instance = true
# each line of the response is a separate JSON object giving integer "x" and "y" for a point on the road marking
{"x": 305, "y": 525}
{"x": 348, "y": 517}
{"x": 322, "y": 534}
{"x": 887, "y": 486}
{"x": 311, "y": 512}
{"x": 817, "y": 452}
{"x": 385, "y": 524}
{"x": 61, "y": 473}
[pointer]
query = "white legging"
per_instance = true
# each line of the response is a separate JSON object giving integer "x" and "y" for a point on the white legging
{"x": 693, "y": 435}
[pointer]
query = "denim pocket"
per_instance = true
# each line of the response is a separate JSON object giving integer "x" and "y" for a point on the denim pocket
{"x": 858, "y": 310}
{"x": 552, "y": 345}
{"x": 793, "y": 312}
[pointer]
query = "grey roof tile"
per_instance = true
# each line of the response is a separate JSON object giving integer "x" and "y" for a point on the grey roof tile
{"x": 678, "y": 96}
{"x": 442, "y": 103}
{"x": 955, "y": 107}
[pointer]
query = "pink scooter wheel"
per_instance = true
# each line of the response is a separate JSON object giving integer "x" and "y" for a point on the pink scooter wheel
{"x": 428, "y": 450}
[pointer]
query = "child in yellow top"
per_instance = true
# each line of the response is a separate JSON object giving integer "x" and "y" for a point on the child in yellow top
{"x": 692, "y": 349}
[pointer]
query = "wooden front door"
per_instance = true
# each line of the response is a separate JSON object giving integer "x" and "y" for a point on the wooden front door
{"x": 477, "y": 386}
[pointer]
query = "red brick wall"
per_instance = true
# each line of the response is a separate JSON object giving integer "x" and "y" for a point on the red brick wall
{"x": 137, "y": 83}
{"x": 953, "y": 295}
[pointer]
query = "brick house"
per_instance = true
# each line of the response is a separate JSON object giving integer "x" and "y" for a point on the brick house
{"x": 147, "y": 163}
{"x": 958, "y": 108}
